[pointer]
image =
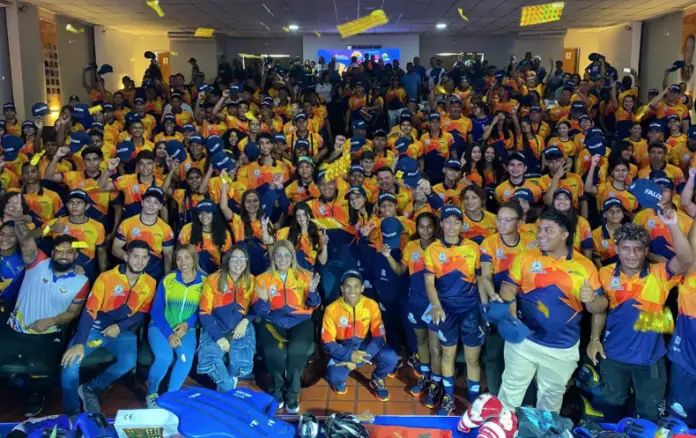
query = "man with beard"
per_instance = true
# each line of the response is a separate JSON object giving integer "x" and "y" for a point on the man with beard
{"x": 119, "y": 300}
{"x": 51, "y": 296}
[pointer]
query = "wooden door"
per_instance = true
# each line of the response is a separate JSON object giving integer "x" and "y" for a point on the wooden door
{"x": 163, "y": 59}
{"x": 570, "y": 60}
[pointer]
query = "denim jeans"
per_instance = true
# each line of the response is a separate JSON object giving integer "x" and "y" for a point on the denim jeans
{"x": 384, "y": 361}
{"x": 163, "y": 353}
{"x": 241, "y": 358}
{"x": 124, "y": 348}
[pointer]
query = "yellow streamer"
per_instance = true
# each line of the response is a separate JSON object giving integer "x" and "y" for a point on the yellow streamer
{"x": 461, "y": 14}
{"x": 154, "y": 5}
{"x": 80, "y": 245}
{"x": 73, "y": 29}
{"x": 375, "y": 19}
{"x": 95, "y": 109}
{"x": 36, "y": 158}
{"x": 250, "y": 116}
{"x": 317, "y": 34}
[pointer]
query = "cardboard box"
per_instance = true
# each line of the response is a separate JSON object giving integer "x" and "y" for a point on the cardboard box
{"x": 146, "y": 423}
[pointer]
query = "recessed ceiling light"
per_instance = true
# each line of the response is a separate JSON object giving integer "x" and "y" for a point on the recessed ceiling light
{"x": 441, "y": 26}
{"x": 293, "y": 27}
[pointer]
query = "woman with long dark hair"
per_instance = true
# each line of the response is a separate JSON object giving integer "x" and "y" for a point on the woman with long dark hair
{"x": 310, "y": 244}
{"x": 581, "y": 231}
{"x": 473, "y": 168}
{"x": 477, "y": 222}
{"x": 187, "y": 196}
{"x": 529, "y": 143}
{"x": 208, "y": 233}
{"x": 499, "y": 131}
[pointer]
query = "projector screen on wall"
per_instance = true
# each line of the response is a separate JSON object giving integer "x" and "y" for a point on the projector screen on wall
{"x": 343, "y": 55}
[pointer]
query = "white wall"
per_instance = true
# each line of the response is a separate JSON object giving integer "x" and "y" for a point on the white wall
{"x": 661, "y": 47}
{"x": 75, "y": 51}
{"x": 119, "y": 48}
{"x": 233, "y": 46}
{"x": 5, "y": 74}
{"x": 614, "y": 43}
{"x": 203, "y": 49}
{"x": 546, "y": 47}
{"x": 408, "y": 44}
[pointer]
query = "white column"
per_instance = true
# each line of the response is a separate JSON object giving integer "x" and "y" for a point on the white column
{"x": 636, "y": 39}
{"x": 13, "y": 41}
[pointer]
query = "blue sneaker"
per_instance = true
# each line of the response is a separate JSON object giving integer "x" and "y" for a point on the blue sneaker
{"x": 340, "y": 389}
{"x": 379, "y": 389}
{"x": 432, "y": 398}
{"x": 447, "y": 405}
{"x": 588, "y": 380}
{"x": 419, "y": 387}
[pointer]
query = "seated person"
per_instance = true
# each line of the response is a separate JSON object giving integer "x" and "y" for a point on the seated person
{"x": 120, "y": 299}
{"x": 353, "y": 335}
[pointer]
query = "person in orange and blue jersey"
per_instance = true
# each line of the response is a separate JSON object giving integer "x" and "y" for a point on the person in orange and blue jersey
{"x": 450, "y": 188}
{"x": 208, "y": 233}
{"x": 44, "y": 203}
{"x": 148, "y": 226}
{"x": 582, "y": 238}
{"x": 637, "y": 289}
{"x": 311, "y": 242}
{"x": 438, "y": 146}
{"x": 661, "y": 242}
{"x": 353, "y": 334}
{"x": 553, "y": 284}
{"x": 557, "y": 178}
{"x": 478, "y": 222}
{"x": 285, "y": 298}
{"x": 497, "y": 254}
{"x": 517, "y": 167}
{"x": 658, "y": 153}
{"x": 613, "y": 216}
{"x": 119, "y": 299}
{"x": 11, "y": 268}
{"x": 452, "y": 270}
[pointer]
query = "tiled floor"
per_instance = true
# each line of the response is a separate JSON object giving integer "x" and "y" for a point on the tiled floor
{"x": 318, "y": 399}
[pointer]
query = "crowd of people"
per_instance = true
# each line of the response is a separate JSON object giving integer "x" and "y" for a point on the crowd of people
{"x": 210, "y": 216}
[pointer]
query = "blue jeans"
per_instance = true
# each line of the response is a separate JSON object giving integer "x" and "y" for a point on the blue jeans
{"x": 384, "y": 361}
{"x": 124, "y": 348}
{"x": 163, "y": 353}
{"x": 241, "y": 359}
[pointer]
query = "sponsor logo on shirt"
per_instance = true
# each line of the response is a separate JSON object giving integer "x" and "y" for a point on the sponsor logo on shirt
{"x": 537, "y": 269}
{"x": 616, "y": 284}
{"x": 273, "y": 292}
{"x": 343, "y": 321}
{"x": 500, "y": 254}
{"x": 442, "y": 257}
{"x": 118, "y": 291}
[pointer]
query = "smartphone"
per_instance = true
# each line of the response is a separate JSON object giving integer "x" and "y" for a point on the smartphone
{"x": 627, "y": 70}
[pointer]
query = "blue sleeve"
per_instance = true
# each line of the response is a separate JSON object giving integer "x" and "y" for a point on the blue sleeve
{"x": 338, "y": 351}
{"x": 191, "y": 321}
{"x": 263, "y": 307}
{"x": 83, "y": 327}
{"x": 10, "y": 293}
{"x": 129, "y": 322}
{"x": 210, "y": 324}
{"x": 375, "y": 344}
{"x": 313, "y": 300}
{"x": 283, "y": 201}
{"x": 435, "y": 202}
{"x": 157, "y": 312}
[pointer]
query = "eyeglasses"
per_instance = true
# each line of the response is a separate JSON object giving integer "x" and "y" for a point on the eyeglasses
{"x": 280, "y": 255}
{"x": 506, "y": 220}
{"x": 238, "y": 259}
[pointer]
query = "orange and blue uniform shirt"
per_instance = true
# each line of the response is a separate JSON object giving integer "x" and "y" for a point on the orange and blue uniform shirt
{"x": 209, "y": 255}
{"x": 257, "y": 250}
{"x": 289, "y": 301}
{"x": 316, "y": 143}
{"x": 604, "y": 246}
{"x": 628, "y": 297}
{"x": 559, "y": 112}
{"x": 133, "y": 190}
{"x": 113, "y": 301}
{"x": 188, "y": 163}
{"x": 479, "y": 230}
{"x": 209, "y": 129}
{"x": 337, "y": 209}
{"x": 569, "y": 147}
{"x": 662, "y": 111}
{"x": 221, "y": 310}
{"x": 43, "y": 205}
{"x": 178, "y": 136}
{"x": 672, "y": 172}
{"x": 79, "y": 180}
{"x": 606, "y": 191}
{"x": 640, "y": 151}
{"x": 92, "y": 233}
{"x": 682, "y": 348}
{"x": 456, "y": 268}
{"x": 395, "y": 98}
{"x": 413, "y": 257}
{"x": 506, "y": 190}
{"x": 158, "y": 236}
{"x": 8, "y": 180}
{"x": 186, "y": 202}
{"x": 548, "y": 301}
{"x": 296, "y": 191}
{"x": 459, "y": 128}
{"x": 304, "y": 249}
{"x": 683, "y": 157}
{"x": 11, "y": 277}
{"x": 501, "y": 255}
{"x": 661, "y": 242}
{"x": 449, "y": 195}
{"x": 570, "y": 181}
{"x": 255, "y": 175}
{"x": 236, "y": 191}
{"x": 436, "y": 150}
{"x": 346, "y": 329}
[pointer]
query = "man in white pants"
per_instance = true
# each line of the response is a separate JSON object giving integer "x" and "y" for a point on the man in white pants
{"x": 551, "y": 284}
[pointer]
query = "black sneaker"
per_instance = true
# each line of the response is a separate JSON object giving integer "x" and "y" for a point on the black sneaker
{"x": 35, "y": 405}
{"x": 308, "y": 426}
{"x": 292, "y": 404}
{"x": 413, "y": 361}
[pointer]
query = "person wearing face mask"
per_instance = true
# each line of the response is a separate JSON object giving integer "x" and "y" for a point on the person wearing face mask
{"x": 227, "y": 328}
{"x": 119, "y": 299}
{"x": 353, "y": 335}
{"x": 285, "y": 298}
{"x": 209, "y": 235}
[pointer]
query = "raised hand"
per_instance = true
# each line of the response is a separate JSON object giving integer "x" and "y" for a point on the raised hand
{"x": 62, "y": 152}
{"x": 668, "y": 217}
{"x": 596, "y": 159}
{"x": 261, "y": 292}
{"x": 112, "y": 164}
{"x": 587, "y": 294}
{"x": 385, "y": 250}
{"x": 314, "y": 282}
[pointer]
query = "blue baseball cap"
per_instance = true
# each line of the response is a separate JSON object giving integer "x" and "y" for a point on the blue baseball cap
{"x": 78, "y": 140}
{"x": 391, "y": 229}
{"x": 653, "y": 91}
{"x": 386, "y": 197}
{"x": 495, "y": 311}
{"x": 410, "y": 99}
{"x": 562, "y": 191}
{"x": 453, "y": 164}
{"x": 673, "y": 117}
{"x": 196, "y": 139}
{"x": 519, "y": 156}
{"x": 691, "y": 133}
{"x": 267, "y": 101}
{"x": 379, "y": 133}
{"x": 355, "y": 168}
{"x": 553, "y": 152}
{"x": 451, "y": 210}
{"x": 359, "y": 124}
{"x": 524, "y": 194}
{"x": 301, "y": 144}
{"x": 176, "y": 150}
{"x": 251, "y": 150}
{"x": 404, "y": 117}
{"x": 125, "y": 150}
{"x": 139, "y": 101}
{"x": 96, "y": 126}
{"x": 107, "y": 106}
{"x": 655, "y": 126}
{"x": 153, "y": 192}
{"x": 300, "y": 116}
{"x": 434, "y": 116}
{"x": 278, "y": 138}
{"x": 9, "y": 106}
{"x": 584, "y": 117}
{"x": 104, "y": 69}
{"x": 454, "y": 100}
{"x": 28, "y": 124}
{"x": 80, "y": 194}
{"x": 221, "y": 161}
{"x": 39, "y": 109}
{"x": 205, "y": 206}
{"x": 187, "y": 127}
{"x": 611, "y": 202}
{"x": 132, "y": 117}
{"x": 357, "y": 142}
{"x": 11, "y": 145}
{"x": 213, "y": 144}
{"x": 577, "y": 106}
{"x": 351, "y": 273}
{"x": 3, "y": 124}
{"x": 648, "y": 193}
{"x": 355, "y": 190}
{"x": 535, "y": 109}
{"x": 411, "y": 173}
{"x": 663, "y": 180}
{"x": 234, "y": 89}
{"x": 596, "y": 146}
{"x": 402, "y": 144}
{"x": 81, "y": 111}
{"x": 674, "y": 88}
{"x": 513, "y": 330}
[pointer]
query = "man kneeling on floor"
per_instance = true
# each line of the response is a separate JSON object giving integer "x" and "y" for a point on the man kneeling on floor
{"x": 119, "y": 300}
{"x": 353, "y": 335}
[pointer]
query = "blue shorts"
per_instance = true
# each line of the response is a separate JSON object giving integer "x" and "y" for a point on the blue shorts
{"x": 681, "y": 400}
{"x": 415, "y": 314}
{"x": 467, "y": 326}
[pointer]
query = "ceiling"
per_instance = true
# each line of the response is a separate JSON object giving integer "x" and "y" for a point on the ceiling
{"x": 249, "y": 18}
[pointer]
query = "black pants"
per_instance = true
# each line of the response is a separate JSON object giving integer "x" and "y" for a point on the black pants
{"x": 285, "y": 353}
{"x": 649, "y": 382}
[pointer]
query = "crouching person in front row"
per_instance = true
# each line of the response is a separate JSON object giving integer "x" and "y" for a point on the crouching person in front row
{"x": 120, "y": 299}
{"x": 353, "y": 335}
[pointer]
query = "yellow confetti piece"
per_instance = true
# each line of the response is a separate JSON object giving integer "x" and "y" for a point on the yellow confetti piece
{"x": 80, "y": 245}
{"x": 132, "y": 59}
{"x": 250, "y": 116}
{"x": 47, "y": 228}
{"x": 94, "y": 343}
{"x": 36, "y": 158}
{"x": 375, "y": 19}
{"x": 399, "y": 175}
{"x": 461, "y": 14}
{"x": 317, "y": 34}
{"x": 174, "y": 53}
{"x": 543, "y": 309}
{"x": 441, "y": 89}
{"x": 328, "y": 223}
{"x": 286, "y": 29}
{"x": 204, "y": 32}
{"x": 539, "y": 14}
{"x": 95, "y": 109}
{"x": 154, "y": 5}
{"x": 73, "y": 29}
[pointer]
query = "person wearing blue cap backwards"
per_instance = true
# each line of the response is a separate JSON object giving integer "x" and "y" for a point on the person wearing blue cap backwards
{"x": 353, "y": 335}
{"x": 452, "y": 270}
{"x": 437, "y": 148}
{"x": 658, "y": 154}
{"x": 552, "y": 285}
{"x": 629, "y": 351}
{"x": 668, "y": 102}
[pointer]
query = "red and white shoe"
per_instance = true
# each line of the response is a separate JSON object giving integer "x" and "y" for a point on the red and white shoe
{"x": 485, "y": 407}
{"x": 505, "y": 426}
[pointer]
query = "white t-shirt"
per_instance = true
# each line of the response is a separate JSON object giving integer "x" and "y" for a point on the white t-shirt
{"x": 43, "y": 295}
